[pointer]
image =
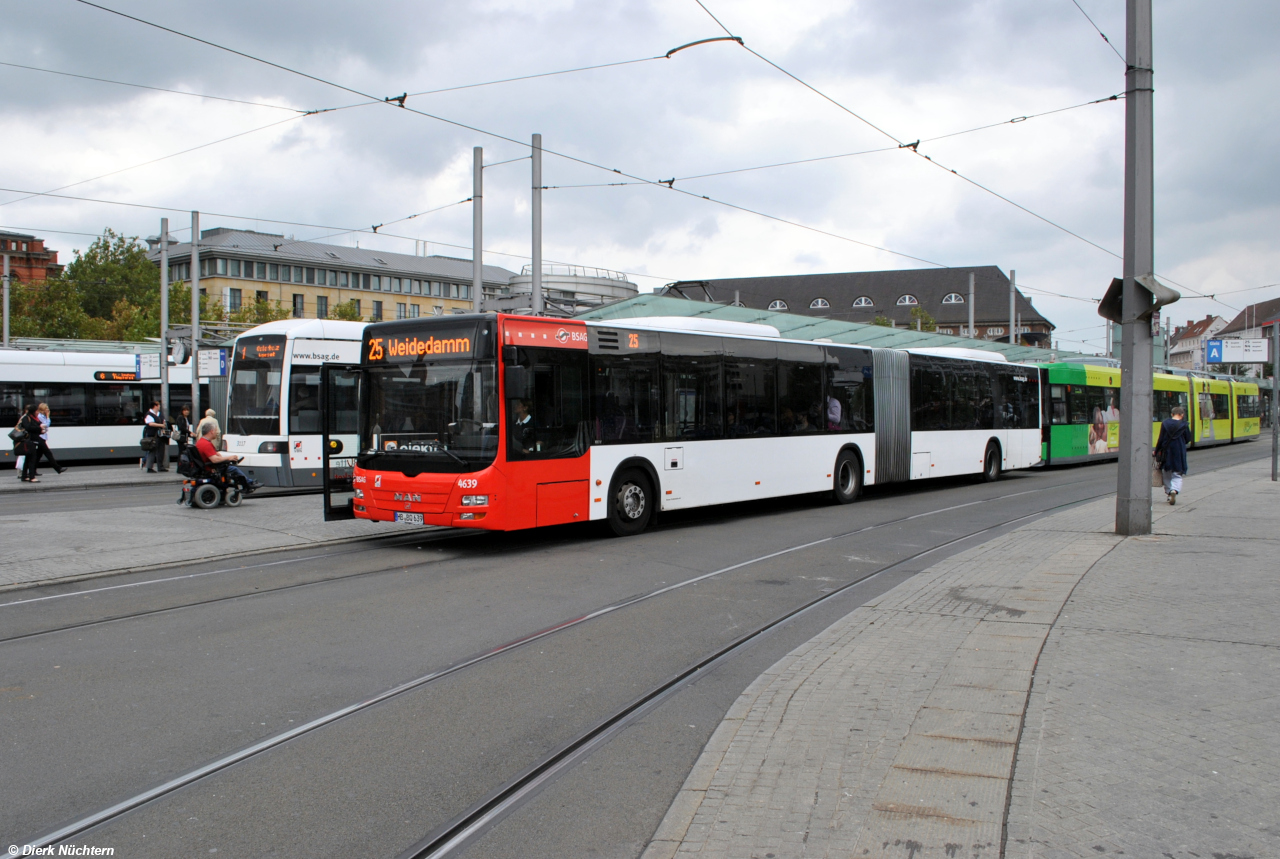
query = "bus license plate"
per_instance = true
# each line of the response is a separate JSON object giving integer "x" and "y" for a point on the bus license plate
{"x": 409, "y": 518}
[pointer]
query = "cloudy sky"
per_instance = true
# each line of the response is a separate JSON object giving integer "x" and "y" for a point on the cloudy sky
{"x": 916, "y": 69}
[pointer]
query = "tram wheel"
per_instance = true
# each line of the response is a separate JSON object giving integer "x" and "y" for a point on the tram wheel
{"x": 207, "y": 496}
{"x": 847, "y": 480}
{"x": 991, "y": 465}
{"x": 631, "y": 501}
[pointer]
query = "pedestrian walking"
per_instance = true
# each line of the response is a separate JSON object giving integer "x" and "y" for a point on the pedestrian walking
{"x": 153, "y": 426}
{"x": 42, "y": 443}
{"x": 30, "y": 425}
{"x": 1171, "y": 452}
{"x": 210, "y": 417}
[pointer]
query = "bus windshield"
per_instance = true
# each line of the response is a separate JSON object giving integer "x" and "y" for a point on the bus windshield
{"x": 430, "y": 417}
{"x": 253, "y": 404}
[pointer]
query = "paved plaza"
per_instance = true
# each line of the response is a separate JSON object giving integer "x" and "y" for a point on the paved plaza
{"x": 1055, "y": 692}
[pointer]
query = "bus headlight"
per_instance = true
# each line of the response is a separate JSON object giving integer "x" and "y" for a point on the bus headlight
{"x": 359, "y": 493}
{"x": 475, "y": 501}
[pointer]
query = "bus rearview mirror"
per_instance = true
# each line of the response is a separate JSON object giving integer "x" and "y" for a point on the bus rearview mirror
{"x": 516, "y": 382}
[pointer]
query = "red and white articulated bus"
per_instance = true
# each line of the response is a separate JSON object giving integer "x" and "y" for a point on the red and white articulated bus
{"x": 509, "y": 422}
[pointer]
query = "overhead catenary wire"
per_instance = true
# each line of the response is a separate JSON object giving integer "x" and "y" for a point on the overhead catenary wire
{"x": 51, "y": 191}
{"x": 914, "y": 148}
{"x": 1100, "y": 33}
{"x": 399, "y": 103}
{"x": 154, "y": 88}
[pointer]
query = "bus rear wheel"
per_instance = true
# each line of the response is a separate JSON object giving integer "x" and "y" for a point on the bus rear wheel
{"x": 847, "y": 480}
{"x": 991, "y": 465}
{"x": 631, "y": 502}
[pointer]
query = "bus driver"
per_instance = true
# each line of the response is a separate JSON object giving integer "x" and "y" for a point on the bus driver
{"x": 522, "y": 434}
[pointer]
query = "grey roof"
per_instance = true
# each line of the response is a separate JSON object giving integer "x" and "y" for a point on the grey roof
{"x": 929, "y": 286}
{"x": 268, "y": 247}
{"x": 804, "y": 327}
{"x": 1262, "y": 313}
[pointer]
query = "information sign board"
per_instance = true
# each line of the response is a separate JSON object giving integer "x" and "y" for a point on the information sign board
{"x": 211, "y": 362}
{"x": 147, "y": 366}
{"x": 1233, "y": 351}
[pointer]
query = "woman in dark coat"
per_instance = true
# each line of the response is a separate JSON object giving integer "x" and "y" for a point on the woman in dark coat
{"x": 31, "y": 446}
{"x": 1171, "y": 452}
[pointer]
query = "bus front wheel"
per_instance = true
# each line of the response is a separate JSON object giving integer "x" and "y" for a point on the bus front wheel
{"x": 848, "y": 478}
{"x": 631, "y": 502}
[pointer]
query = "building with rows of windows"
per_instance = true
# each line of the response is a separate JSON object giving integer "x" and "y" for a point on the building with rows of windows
{"x": 894, "y": 297}
{"x": 311, "y": 279}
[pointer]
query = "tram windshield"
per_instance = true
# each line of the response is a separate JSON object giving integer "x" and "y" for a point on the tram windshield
{"x": 253, "y": 404}
{"x": 431, "y": 416}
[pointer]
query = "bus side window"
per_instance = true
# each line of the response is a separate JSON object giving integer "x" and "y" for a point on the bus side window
{"x": 849, "y": 385}
{"x": 691, "y": 398}
{"x": 624, "y": 398}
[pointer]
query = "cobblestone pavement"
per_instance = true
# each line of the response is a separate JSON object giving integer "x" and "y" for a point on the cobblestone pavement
{"x": 894, "y": 733}
{"x": 47, "y": 547}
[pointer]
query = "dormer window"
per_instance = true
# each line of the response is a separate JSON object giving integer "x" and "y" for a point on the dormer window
{"x": 907, "y": 300}
{"x": 953, "y": 298}
{"x": 818, "y": 304}
{"x": 863, "y": 301}
{"x": 777, "y": 304}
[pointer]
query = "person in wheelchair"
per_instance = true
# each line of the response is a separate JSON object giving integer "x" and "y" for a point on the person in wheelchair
{"x": 214, "y": 458}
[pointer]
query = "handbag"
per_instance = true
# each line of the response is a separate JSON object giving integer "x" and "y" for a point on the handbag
{"x": 1157, "y": 475}
{"x": 147, "y": 443}
{"x": 18, "y": 434}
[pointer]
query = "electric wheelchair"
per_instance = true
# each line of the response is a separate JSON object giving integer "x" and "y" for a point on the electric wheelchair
{"x": 207, "y": 484}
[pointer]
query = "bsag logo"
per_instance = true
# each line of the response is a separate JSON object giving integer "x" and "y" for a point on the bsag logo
{"x": 562, "y": 336}
{"x": 408, "y": 496}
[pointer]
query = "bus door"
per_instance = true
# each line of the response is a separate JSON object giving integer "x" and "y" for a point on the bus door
{"x": 339, "y": 439}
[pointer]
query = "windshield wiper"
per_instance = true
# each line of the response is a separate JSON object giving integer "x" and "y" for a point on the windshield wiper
{"x": 462, "y": 461}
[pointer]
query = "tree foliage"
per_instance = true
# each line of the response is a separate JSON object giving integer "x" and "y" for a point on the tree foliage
{"x": 921, "y": 316}
{"x": 882, "y": 321}
{"x": 112, "y": 292}
{"x": 348, "y": 310}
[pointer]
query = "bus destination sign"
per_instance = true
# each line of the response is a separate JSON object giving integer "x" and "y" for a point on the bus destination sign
{"x": 263, "y": 349}
{"x": 390, "y": 348}
{"x": 104, "y": 376}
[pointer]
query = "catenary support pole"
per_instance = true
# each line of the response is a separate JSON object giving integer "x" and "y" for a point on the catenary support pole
{"x": 164, "y": 318}
{"x": 6, "y": 300}
{"x": 1133, "y": 489}
{"x": 971, "y": 332}
{"x": 1275, "y": 398}
{"x": 536, "y": 268}
{"x": 194, "y": 360}
{"x": 1013, "y": 280}
{"x": 477, "y": 227}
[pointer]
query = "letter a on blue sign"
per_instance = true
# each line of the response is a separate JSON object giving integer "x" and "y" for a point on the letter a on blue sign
{"x": 1215, "y": 352}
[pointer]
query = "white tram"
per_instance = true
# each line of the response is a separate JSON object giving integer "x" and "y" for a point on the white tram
{"x": 273, "y": 398}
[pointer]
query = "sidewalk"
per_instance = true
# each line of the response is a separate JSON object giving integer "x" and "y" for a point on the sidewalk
{"x": 88, "y": 477}
{"x": 1055, "y": 692}
{"x": 47, "y": 547}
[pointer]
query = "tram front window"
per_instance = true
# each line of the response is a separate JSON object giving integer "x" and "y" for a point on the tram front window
{"x": 430, "y": 417}
{"x": 253, "y": 404}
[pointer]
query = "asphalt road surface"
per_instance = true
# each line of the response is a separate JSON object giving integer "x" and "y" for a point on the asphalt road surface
{"x": 114, "y": 686}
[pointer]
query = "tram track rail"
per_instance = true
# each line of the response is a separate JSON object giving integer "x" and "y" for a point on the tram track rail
{"x": 391, "y": 541}
{"x": 483, "y": 815}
